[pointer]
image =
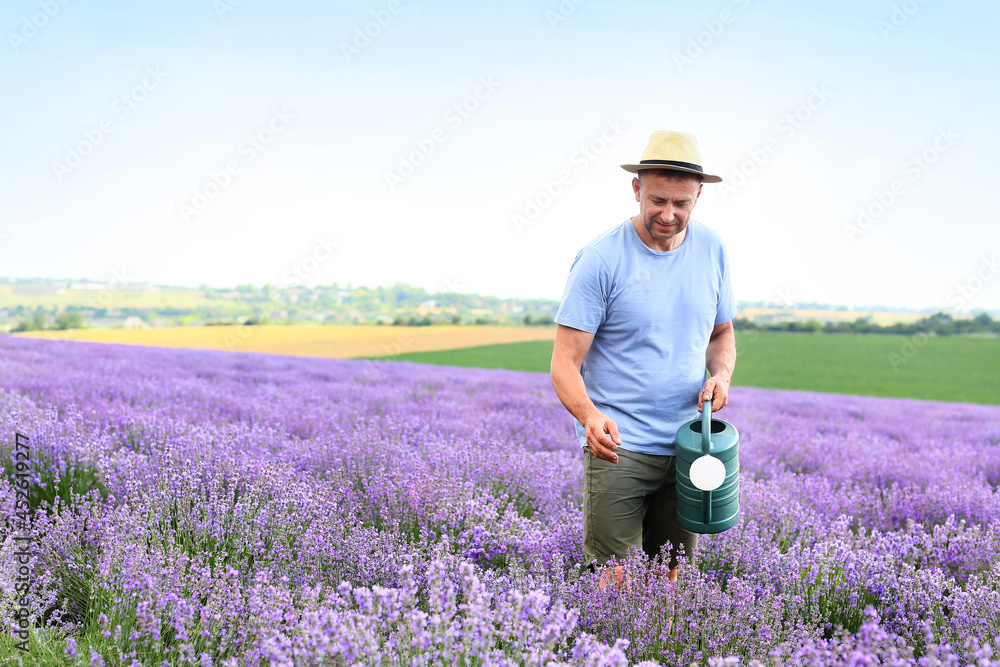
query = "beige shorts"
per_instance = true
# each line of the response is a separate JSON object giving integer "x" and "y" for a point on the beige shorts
{"x": 632, "y": 503}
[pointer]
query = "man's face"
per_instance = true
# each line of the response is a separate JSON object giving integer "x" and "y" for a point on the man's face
{"x": 665, "y": 205}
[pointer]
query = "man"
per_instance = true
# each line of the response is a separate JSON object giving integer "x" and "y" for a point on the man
{"x": 647, "y": 308}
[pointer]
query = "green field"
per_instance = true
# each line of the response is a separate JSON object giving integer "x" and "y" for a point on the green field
{"x": 951, "y": 368}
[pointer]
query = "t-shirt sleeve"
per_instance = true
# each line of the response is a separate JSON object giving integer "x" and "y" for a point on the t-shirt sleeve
{"x": 584, "y": 301}
{"x": 725, "y": 309}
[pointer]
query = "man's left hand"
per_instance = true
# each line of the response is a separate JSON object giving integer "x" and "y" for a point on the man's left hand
{"x": 718, "y": 389}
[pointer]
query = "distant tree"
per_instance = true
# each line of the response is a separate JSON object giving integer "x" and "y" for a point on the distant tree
{"x": 809, "y": 325}
{"x": 68, "y": 320}
{"x": 36, "y": 323}
{"x": 939, "y": 323}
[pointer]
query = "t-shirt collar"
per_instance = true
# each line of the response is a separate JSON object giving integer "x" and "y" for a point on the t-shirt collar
{"x": 661, "y": 253}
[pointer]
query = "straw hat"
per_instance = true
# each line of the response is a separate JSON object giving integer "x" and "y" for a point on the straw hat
{"x": 672, "y": 150}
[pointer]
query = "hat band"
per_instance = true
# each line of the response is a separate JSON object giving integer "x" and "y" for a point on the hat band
{"x": 674, "y": 163}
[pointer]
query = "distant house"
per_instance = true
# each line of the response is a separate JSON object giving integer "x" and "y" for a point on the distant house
{"x": 428, "y": 307}
{"x": 135, "y": 322}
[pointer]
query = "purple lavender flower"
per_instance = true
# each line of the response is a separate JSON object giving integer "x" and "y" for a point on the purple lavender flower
{"x": 244, "y": 509}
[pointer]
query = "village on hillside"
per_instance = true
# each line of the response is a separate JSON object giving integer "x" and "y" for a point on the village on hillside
{"x": 44, "y": 304}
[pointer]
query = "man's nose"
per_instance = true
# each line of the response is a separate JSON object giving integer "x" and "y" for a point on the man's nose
{"x": 668, "y": 213}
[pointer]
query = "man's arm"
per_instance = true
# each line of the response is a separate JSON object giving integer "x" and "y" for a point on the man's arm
{"x": 720, "y": 359}
{"x": 570, "y": 349}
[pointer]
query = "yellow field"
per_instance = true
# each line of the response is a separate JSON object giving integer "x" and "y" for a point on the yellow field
{"x": 879, "y": 317}
{"x": 341, "y": 342}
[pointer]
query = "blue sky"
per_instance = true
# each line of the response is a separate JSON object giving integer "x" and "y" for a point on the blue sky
{"x": 224, "y": 142}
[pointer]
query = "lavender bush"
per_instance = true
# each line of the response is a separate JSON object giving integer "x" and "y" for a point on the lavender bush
{"x": 211, "y": 508}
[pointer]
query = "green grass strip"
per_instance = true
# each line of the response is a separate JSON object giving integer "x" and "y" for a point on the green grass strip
{"x": 953, "y": 368}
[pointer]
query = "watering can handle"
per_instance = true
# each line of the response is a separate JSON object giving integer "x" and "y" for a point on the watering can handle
{"x": 706, "y": 425}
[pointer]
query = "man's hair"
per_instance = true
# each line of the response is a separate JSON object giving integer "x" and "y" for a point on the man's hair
{"x": 670, "y": 174}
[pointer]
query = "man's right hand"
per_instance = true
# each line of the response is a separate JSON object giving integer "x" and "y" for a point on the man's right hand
{"x": 568, "y": 352}
{"x": 599, "y": 427}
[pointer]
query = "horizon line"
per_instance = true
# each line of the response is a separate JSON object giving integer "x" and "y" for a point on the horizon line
{"x": 798, "y": 305}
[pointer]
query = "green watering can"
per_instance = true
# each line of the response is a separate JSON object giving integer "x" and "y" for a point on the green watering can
{"x": 708, "y": 474}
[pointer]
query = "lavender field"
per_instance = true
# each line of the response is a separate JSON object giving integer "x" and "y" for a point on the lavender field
{"x": 210, "y": 508}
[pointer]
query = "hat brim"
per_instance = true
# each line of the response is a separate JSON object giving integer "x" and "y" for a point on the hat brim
{"x": 636, "y": 168}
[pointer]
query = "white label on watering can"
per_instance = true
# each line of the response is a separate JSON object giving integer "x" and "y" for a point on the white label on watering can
{"x": 708, "y": 473}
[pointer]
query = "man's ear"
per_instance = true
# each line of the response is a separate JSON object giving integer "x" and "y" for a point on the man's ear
{"x": 635, "y": 187}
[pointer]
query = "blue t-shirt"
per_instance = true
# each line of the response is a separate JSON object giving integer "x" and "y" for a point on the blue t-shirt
{"x": 652, "y": 313}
